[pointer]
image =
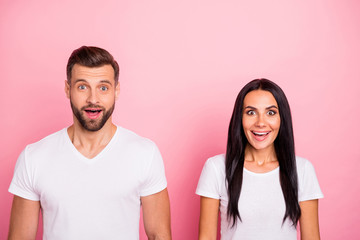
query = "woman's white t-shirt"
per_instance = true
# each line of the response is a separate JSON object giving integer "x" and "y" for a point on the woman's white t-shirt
{"x": 261, "y": 203}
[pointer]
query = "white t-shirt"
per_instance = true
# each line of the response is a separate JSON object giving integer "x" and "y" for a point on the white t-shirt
{"x": 89, "y": 199}
{"x": 261, "y": 203}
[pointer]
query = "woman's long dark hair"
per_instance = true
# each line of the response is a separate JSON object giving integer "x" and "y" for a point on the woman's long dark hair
{"x": 284, "y": 148}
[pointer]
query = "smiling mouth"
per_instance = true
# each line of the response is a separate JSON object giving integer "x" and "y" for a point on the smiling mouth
{"x": 260, "y": 134}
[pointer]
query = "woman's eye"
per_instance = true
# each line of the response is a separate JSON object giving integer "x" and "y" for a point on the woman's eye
{"x": 271, "y": 112}
{"x": 103, "y": 88}
{"x": 82, "y": 87}
{"x": 250, "y": 112}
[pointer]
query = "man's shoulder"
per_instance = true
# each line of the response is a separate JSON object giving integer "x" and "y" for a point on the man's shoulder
{"x": 47, "y": 142}
{"x": 130, "y": 138}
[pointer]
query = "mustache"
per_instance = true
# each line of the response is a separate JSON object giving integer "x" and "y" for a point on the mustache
{"x": 92, "y": 106}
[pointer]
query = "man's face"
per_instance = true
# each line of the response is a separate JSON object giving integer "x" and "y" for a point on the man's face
{"x": 92, "y": 93}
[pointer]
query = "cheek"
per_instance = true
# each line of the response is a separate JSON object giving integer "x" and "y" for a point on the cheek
{"x": 108, "y": 96}
{"x": 275, "y": 123}
{"x": 108, "y": 100}
{"x": 75, "y": 97}
{"x": 246, "y": 122}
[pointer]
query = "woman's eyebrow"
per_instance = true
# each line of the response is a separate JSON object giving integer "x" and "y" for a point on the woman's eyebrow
{"x": 254, "y": 108}
{"x": 272, "y": 106}
{"x": 251, "y": 107}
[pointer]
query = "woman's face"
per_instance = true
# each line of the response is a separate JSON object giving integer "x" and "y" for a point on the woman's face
{"x": 260, "y": 119}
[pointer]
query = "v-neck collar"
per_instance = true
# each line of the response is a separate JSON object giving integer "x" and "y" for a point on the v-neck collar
{"x": 82, "y": 157}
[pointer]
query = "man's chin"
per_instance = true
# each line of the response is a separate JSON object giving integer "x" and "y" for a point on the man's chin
{"x": 92, "y": 127}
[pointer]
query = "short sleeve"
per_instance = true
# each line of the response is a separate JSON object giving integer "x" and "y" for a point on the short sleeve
{"x": 22, "y": 184}
{"x": 155, "y": 179}
{"x": 309, "y": 187}
{"x": 209, "y": 182}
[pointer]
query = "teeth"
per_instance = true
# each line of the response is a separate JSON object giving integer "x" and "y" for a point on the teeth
{"x": 261, "y": 134}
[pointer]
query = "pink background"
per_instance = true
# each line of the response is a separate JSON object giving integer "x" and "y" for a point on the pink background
{"x": 182, "y": 65}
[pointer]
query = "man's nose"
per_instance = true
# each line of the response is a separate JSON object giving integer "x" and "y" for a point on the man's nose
{"x": 92, "y": 97}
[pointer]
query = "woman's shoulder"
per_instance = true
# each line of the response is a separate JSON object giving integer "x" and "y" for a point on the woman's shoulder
{"x": 212, "y": 179}
{"x": 217, "y": 161}
{"x": 302, "y": 164}
{"x": 309, "y": 187}
{"x": 305, "y": 169}
{"x": 215, "y": 165}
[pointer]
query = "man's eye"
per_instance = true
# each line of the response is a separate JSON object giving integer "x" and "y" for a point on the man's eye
{"x": 82, "y": 87}
{"x": 103, "y": 88}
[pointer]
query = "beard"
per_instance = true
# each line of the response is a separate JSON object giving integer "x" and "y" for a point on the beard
{"x": 92, "y": 125}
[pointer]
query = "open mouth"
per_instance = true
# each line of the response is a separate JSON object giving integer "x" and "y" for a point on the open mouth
{"x": 93, "y": 113}
{"x": 260, "y": 134}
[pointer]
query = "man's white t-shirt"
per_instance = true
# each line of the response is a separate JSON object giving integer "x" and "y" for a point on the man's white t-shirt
{"x": 83, "y": 198}
{"x": 261, "y": 203}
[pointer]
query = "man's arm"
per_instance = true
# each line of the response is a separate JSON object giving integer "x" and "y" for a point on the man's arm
{"x": 24, "y": 219}
{"x": 156, "y": 215}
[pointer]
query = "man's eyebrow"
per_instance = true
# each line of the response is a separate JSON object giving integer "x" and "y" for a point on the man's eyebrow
{"x": 106, "y": 81}
{"x": 102, "y": 81}
{"x": 80, "y": 80}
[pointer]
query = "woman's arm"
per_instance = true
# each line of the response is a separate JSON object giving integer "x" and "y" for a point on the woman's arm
{"x": 309, "y": 220}
{"x": 209, "y": 212}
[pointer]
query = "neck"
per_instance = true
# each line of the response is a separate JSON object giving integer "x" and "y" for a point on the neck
{"x": 90, "y": 141}
{"x": 260, "y": 156}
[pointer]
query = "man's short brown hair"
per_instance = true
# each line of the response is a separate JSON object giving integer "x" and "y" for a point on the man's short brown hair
{"x": 89, "y": 56}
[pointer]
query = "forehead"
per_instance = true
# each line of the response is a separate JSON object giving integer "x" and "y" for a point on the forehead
{"x": 104, "y": 72}
{"x": 259, "y": 99}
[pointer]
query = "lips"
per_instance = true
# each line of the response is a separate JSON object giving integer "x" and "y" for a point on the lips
{"x": 260, "y": 135}
{"x": 93, "y": 113}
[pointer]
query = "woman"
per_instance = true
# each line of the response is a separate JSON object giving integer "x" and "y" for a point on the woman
{"x": 261, "y": 188}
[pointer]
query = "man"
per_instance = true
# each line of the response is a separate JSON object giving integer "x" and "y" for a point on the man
{"x": 90, "y": 179}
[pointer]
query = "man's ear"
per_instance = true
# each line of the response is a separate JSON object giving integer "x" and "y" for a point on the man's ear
{"x": 67, "y": 89}
{"x": 117, "y": 91}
